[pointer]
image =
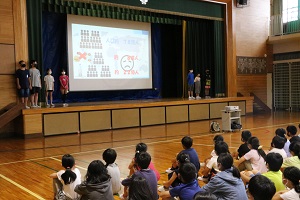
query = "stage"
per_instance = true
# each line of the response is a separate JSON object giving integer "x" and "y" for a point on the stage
{"x": 105, "y": 115}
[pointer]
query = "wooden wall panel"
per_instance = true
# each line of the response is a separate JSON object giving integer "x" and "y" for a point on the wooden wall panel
{"x": 125, "y": 118}
{"x": 253, "y": 83}
{"x": 215, "y": 109}
{"x": 177, "y": 114}
{"x": 6, "y": 22}
{"x": 7, "y": 57}
{"x": 8, "y": 90}
{"x": 151, "y": 116}
{"x": 199, "y": 112}
{"x": 55, "y": 124}
{"x": 95, "y": 120}
{"x": 33, "y": 124}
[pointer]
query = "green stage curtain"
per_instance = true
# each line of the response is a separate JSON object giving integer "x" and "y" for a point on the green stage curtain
{"x": 205, "y": 50}
{"x": 34, "y": 23}
{"x": 105, "y": 11}
{"x": 219, "y": 59}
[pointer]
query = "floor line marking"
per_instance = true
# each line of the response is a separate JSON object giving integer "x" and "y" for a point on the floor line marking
{"x": 21, "y": 187}
{"x": 199, "y": 136}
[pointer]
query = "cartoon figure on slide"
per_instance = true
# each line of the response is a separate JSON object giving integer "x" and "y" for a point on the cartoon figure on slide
{"x": 127, "y": 63}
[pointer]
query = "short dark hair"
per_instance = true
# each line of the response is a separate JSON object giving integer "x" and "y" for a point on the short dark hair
{"x": 188, "y": 172}
{"x": 246, "y": 135}
{"x": 295, "y": 147}
{"x": 291, "y": 129}
{"x": 141, "y": 147}
{"x": 21, "y": 61}
{"x": 261, "y": 188}
{"x": 280, "y": 132}
{"x": 278, "y": 142}
{"x": 221, "y": 147}
{"x": 143, "y": 160}
{"x": 218, "y": 138}
{"x": 109, "y": 156}
{"x": 187, "y": 142}
{"x": 274, "y": 160}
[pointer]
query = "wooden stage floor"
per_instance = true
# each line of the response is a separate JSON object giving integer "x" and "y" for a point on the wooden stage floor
{"x": 26, "y": 163}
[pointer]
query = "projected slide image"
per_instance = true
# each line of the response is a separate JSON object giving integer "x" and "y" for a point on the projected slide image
{"x": 109, "y": 53}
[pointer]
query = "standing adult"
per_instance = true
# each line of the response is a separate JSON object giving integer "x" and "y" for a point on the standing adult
{"x": 23, "y": 83}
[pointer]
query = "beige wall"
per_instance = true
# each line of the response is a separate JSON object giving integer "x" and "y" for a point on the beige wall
{"x": 252, "y": 30}
{"x": 13, "y": 47}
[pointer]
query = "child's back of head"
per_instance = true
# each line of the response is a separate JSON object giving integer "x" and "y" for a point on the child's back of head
{"x": 221, "y": 147}
{"x": 261, "y": 188}
{"x": 68, "y": 163}
{"x": 245, "y": 135}
{"x": 187, "y": 142}
{"x": 187, "y": 172}
{"x": 278, "y": 142}
{"x": 274, "y": 161}
{"x": 143, "y": 160}
{"x": 109, "y": 156}
{"x": 218, "y": 138}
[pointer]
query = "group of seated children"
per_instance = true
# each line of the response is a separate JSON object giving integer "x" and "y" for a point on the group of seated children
{"x": 273, "y": 174}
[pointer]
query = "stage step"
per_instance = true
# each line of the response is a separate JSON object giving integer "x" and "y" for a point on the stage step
{"x": 9, "y": 113}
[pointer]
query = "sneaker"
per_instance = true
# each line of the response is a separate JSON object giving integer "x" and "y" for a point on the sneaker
{"x": 33, "y": 106}
{"x": 169, "y": 170}
{"x": 198, "y": 97}
{"x": 190, "y": 98}
{"x": 193, "y": 98}
{"x": 47, "y": 105}
{"x": 52, "y": 105}
{"x": 27, "y": 107}
{"x": 37, "y": 106}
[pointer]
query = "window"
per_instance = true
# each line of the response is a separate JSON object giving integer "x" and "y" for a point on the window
{"x": 289, "y": 10}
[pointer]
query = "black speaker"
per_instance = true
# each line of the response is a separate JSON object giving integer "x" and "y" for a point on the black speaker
{"x": 242, "y": 2}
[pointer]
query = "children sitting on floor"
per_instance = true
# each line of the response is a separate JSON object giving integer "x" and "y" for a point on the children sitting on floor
{"x": 273, "y": 162}
{"x": 143, "y": 160}
{"x": 294, "y": 160}
{"x": 211, "y": 167}
{"x": 256, "y": 156}
{"x": 226, "y": 184}
{"x": 174, "y": 180}
{"x": 189, "y": 186}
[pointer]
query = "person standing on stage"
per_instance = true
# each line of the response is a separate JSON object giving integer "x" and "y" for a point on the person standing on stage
{"x": 23, "y": 82}
{"x": 190, "y": 80}
{"x": 35, "y": 83}
{"x": 64, "y": 86}
{"x": 197, "y": 86}
{"x": 49, "y": 87}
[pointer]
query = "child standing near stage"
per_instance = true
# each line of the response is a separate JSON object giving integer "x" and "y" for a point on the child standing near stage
{"x": 65, "y": 181}
{"x": 49, "y": 87}
{"x": 190, "y": 80}
{"x": 197, "y": 86}
{"x": 64, "y": 86}
{"x": 23, "y": 83}
{"x": 35, "y": 83}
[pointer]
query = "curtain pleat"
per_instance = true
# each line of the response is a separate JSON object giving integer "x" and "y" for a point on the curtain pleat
{"x": 96, "y": 10}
